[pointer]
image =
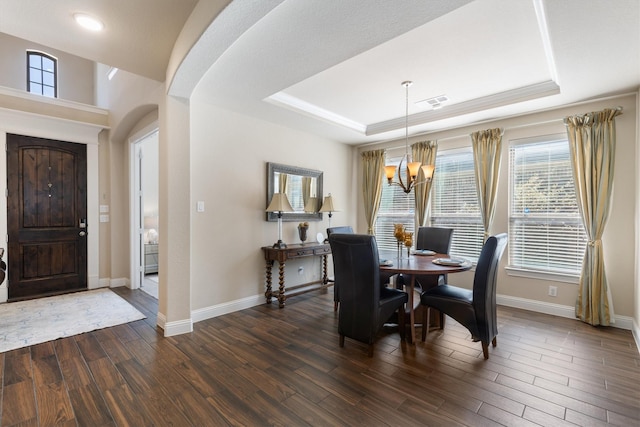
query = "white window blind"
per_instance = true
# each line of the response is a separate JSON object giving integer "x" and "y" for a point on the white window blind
{"x": 454, "y": 202}
{"x": 545, "y": 229}
{"x": 396, "y": 207}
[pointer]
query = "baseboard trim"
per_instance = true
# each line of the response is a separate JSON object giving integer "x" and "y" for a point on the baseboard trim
{"x": 177, "y": 327}
{"x": 226, "y": 308}
{"x": 161, "y": 320}
{"x": 622, "y": 322}
{"x": 94, "y": 282}
{"x": 636, "y": 334}
{"x": 114, "y": 283}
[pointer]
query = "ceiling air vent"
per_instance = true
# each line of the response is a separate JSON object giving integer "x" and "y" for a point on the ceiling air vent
{"x": 435, "y": 102}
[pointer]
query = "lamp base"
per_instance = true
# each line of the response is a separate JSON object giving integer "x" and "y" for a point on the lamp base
{"x": 279, "y": 245}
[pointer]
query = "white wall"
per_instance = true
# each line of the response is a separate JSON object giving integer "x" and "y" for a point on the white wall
{"x": 75, "y": 74}
{"x": 229, "y": 153}
{"x": 620, "y": 232}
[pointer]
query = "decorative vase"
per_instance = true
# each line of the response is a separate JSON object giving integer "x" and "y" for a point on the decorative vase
{"x": 398, "y": 233}
{"x": 408, "y": 242}
{"x": 302, "y": 231}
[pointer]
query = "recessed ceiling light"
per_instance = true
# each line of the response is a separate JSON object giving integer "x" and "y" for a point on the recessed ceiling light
{"x": 88, "y": 22}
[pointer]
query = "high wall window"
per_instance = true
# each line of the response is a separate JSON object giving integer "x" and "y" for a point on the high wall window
{"x": 396, "y": 207}
{"x": 454, "y": 202}
{"x": 545, "y": 230}
{"x": 42, "y": 77}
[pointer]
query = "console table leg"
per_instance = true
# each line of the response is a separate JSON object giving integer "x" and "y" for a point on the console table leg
{"x": 268, "y": 294}
{"x": 325, "y": 279}
{"x": 281, "y": 296}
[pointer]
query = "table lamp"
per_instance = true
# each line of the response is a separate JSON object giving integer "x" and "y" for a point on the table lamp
{"x": 327, "y": 206}
{"x": 279, "y": 203}
{"x": 151, "y": 225}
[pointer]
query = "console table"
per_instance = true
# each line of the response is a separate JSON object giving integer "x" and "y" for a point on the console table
{"x": 294, "y": 251}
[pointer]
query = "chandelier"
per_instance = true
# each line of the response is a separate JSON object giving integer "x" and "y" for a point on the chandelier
{"x": 411, "y": 168}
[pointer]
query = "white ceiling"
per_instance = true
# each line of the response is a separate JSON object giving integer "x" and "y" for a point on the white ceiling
{"x": 138, "y": 34}
{"x": 335, "y": 67}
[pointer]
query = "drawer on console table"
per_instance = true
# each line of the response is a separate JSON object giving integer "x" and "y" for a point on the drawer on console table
{"x": 296, "y": 253}
{"x": 323, "y": 250}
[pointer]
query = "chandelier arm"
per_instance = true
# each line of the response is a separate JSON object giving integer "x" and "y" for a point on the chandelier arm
{"x": 400, "y": 175}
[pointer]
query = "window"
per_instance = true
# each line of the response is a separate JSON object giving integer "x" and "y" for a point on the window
{"x": 42, "y": 76}
{"x": 396, "y": 207}
{"x": 454, "y": 202}
{"x": 545, "y": 229}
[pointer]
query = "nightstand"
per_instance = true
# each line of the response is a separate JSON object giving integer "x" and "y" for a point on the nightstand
{"x": 150, "y": 258}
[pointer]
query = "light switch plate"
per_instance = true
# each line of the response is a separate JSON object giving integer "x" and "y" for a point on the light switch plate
{"x": 200, "y": 206}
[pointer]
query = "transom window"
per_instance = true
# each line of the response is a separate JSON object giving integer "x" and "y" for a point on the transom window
{"x": 42, "y": 76}
{"x": 545, "y": 229}
{"x": 454, "y": 202}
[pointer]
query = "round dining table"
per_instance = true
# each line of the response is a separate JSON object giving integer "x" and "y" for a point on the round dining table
{"x": 418, "y": 265}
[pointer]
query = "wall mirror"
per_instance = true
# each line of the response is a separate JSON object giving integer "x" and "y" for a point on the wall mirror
{"x": 300, "y": 185}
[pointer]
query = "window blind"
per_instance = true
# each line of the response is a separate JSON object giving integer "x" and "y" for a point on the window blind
{"x": 396, "y": 207}
{"x": 545, "y": 228}
{"x": 454, "y": 202}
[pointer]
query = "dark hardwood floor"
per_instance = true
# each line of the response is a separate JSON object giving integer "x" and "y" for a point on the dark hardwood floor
{"x": 266, "y": 366}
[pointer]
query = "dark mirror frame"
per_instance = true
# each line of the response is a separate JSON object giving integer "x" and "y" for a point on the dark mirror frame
{"x": 272, "y": 169}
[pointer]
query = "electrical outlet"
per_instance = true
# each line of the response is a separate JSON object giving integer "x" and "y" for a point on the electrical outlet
{"x": 553, "y": 291}
{"x": 300, "y": 271}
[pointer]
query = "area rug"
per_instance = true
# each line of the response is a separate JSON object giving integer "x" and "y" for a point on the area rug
{"x": 26, "y": 323}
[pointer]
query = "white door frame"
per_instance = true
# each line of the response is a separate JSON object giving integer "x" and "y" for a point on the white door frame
{"x": 136, "y": 220}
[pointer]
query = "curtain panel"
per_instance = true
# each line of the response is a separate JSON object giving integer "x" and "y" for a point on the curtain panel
{"x": 306, "y": 190}
{"x": 592, "y": 143}
{"x": 487, "y": 149}
{"x": 372, "y": 174}
{"x": 282, "y": 183}
{"x": 425, "y": 153}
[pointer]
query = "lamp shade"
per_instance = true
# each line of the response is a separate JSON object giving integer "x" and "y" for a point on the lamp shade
{"x": 327, "y": 205}
{"x": 428, "y": 170}
{"x": 279, "y": 203}
{"x": 312, "y": 205}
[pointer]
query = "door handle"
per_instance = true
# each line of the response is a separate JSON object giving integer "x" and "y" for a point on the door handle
{"x": 82, "y": 234}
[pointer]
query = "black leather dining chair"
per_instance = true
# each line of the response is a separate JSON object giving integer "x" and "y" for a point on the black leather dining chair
{"x": 365, "y": 305}
{"x": 344, "y": 229}
{"x": 437, "y": 239}
{"x": 474, "y": 309}
{"x": 385, "y": 278}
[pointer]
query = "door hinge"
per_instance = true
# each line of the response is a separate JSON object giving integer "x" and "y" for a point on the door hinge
{"x": 6, "y": 192}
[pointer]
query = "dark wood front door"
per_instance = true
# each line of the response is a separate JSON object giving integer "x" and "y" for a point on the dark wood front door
{"x": 46, "y": 216}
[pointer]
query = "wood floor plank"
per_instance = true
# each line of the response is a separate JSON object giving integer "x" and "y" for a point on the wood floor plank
{"x": 126, "y": 408}
{"x": 17, "y": 366}
{"x": 44, "y": 364}
{"x": 271, "y": 366}
{"x": 54, "y": 406}
{"x": 89, "y": 406}
{"x": 19, "y": 404}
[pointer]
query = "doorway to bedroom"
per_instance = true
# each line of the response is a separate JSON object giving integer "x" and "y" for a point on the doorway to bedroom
{"x": 145, "y": 213}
